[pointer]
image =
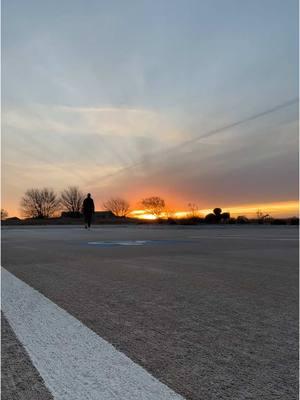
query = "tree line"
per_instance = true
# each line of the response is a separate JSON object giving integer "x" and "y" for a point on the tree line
{"x": 46, "y": 203}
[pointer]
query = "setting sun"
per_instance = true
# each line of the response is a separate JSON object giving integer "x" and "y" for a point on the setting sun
{"x": 278, "y": 210}
{"x": 149, "y": 199}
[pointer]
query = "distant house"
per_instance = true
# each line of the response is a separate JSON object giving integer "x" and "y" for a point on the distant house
{"x": 104, "y": 215}
{"x": 12, "y": 220}
{"x": 97, "y": 215}
{"x": 70, "y": 214}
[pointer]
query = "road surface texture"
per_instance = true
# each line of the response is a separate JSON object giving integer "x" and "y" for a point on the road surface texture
{"x": 208, "y": 312}
{"x": 20, "y": 380}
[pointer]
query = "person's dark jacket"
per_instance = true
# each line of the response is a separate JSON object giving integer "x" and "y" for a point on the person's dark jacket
{"x": 88, "y": 207}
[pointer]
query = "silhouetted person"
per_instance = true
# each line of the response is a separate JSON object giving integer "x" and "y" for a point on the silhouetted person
{"x": 88, "y": 209}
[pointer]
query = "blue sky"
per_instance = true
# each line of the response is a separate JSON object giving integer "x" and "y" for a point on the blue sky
{"x": 103, "y": 94}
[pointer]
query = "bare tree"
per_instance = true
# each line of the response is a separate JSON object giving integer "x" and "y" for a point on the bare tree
{"x": 259, "y": 214}
{"x": 39, "y": 203}
{"x": 4, "y": 214}
{"x": 261, "y": 217}
{"x": 169, "y": 213}
{"x": 118, "y": 206}
{"x": 193, "y": 210}
{"x": 71, "y": 199}
{"x": 154, "y": 205}
{"x": 241, "y": 219}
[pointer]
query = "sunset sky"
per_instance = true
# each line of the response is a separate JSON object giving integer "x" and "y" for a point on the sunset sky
{"x": 130, "y": 98}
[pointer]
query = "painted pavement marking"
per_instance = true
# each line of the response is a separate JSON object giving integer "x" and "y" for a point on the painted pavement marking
{"x": 119, "y": 243}
{"x": 74, "y": 361}
{"x": 243, "y": 238}
{"x": 113, "y": 243}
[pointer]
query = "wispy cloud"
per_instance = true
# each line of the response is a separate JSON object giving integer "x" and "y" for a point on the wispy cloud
{"x": 117, "y": 121}
{"x": 134, "y": 101}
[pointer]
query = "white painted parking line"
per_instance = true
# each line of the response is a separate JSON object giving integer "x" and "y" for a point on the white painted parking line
{"x": 120, "y": 243}
{"x": 243, "y": 238}
{"x": 114, "y": 243}
{"x": 74, "y": 361}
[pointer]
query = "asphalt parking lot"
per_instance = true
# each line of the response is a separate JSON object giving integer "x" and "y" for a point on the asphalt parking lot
{"x": 210, "y": 312}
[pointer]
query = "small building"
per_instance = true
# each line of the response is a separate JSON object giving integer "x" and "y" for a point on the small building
{"x": 11, "y": 220}
{"x": 97, "y": 215}
{"x": 104, "y": 215}
{"x": 70, "y": 214}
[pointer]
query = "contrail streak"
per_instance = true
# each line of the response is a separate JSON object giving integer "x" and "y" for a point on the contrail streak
{"x": 223, "y": 128}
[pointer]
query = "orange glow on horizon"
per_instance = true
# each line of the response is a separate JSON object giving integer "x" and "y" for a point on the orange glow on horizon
{"x": 141, "y": 214}
{"x": 282, "y": 209}
{"x": 279, "y": 209}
